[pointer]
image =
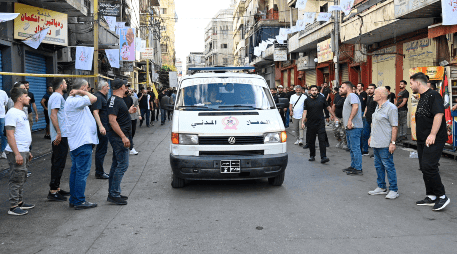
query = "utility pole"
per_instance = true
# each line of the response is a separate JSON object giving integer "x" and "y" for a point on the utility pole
{"x": 336, "y": 43}
{"x": 95, "y": 42}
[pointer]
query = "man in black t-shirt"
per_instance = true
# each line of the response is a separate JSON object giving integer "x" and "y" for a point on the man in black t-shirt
{"x": 32, "y": 104}
{"x": 313, "y": 112}
{"x": 431, "y": 137}
{"x": 367, "y": 117}
{"x": 402, "y": 105}
{"x": 119, "y": 131}
{"x": 326, "y": 92}
{"x": 44, "y": 104}
{"x": 143, "y": 100}
{"x": 362, "y": 95}
{"x": 391, "y": 96}
{"x": 282, "y": 111}
{"x": 100, "y": 112}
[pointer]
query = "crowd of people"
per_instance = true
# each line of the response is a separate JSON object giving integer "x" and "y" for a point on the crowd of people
{"x": 78, "y": 120}
{"x": 363, "y": 117}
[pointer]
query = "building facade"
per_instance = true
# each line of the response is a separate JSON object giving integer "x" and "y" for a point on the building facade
{"x": 219, "y": 39}
{"x": 167, "y": 42}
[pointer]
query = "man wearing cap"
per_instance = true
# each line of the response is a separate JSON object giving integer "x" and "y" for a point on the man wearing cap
{"x": 119, "y": 131}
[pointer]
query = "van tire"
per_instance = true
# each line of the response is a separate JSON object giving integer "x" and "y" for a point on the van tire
{"x": 278, "y": 180}
{"x": 177, "y": 182}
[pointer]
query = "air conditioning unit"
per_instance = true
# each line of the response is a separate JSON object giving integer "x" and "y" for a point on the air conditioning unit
{"x": 64, "y": 55}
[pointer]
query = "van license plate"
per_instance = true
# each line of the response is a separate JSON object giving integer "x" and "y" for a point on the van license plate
{"x": 230, "y": 166}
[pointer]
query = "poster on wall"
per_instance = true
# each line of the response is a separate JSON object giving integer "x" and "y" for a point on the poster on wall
{"x": 324, "y": 51}
{"x": 433, "y": 72}
{"x": 33, "y": 20}
{"x": 127, "y": 44}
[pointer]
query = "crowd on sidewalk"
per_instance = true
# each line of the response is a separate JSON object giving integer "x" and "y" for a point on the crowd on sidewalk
{"x": 363, "y": 117}
{"x": 79, "y": 121}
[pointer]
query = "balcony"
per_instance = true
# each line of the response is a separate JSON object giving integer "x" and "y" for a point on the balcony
{"x": 74, "y": 8}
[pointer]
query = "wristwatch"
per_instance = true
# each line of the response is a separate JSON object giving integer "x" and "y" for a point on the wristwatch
{"x": 393, "y": 142}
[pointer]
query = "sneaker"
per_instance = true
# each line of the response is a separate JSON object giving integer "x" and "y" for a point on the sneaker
{"x": 85, "y": 205}
{"x": 344, "y": 147}
{"x": 339, "y": 145}
{"x": 133, "y": 152}
{"x": 64, "y": 193}
{"x": 426, "y": 202}
{"x": 441, "y": 203}
{"x": 354, "y": 172}
{"x": 365, "y": 153}
{"x": 392, "y": 195}
{"x": 371, "y": 155}
{"x": 3, "y": 155}
{"x": 306, "y": 146}
{"x": 116, "y": 200}
{"x": 378, "y": 191}
{"x": 348, "y": 169}
{"x": 102, "y": 176}
{"x": 29, "y": 174}
{"x": 312, "y": 158}
{"x": 296, "y": 142}
{"x": 300, "y": 142}
{"x": 17, "y": 211}
{"x": 25, "y": 206}
{"x": 324, "y": 160}
{"x": 56, "y": 197}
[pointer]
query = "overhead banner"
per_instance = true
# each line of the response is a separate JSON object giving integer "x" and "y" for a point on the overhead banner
{"x": 347, "y": 6}
{"x": 33, "y": 20}
{"x": 433, "y": 72}
{"x": 35, "y": 40}
{"x": 301, "y": 4}
{"x": 309, "y": 17}
{"x": 119, "y": 26}
{"x": 84, "y": 57}
{"x": 335, "y": 8}
{"x": 449, "y": 12}
{"x": 324, "y": 51}
{"x": 148, "y": 53}
{"x": 111, "y": 22}
{"x": 8, "y": 16}
{"x": 127, "y": 44}
{"x": 109, "y": 9}
{"x": 113, "y": 57}
{"x": 323, "y": 16}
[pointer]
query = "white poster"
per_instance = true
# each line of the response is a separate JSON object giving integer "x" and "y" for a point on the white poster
{"x": 283, "y": 32}
{"x": 279, "y": 40}
{"x": 323, "y": 16}
{"x": 335, "y": 8}
{"x": 143, "y": 46}
{"x": 8, "y": 16}
{"x": 309, "y": 17}
{"x": 119, "y": 25}
{"x": 301, "y": 24}
{"x": 301, "y": 4}
{"x": 449, "y": 8}
{"x": 257, "y": 51}
{"x": 263, "y": 45}
{"x": 111, "y": 22}
{"x": 35, "y": 40}
{"x": 113, "y": 57}
{"x": 347, "y": 6}
{"x": 84, "y": 56}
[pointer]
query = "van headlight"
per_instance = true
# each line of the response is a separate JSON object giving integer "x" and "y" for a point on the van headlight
{"x": 275, "y": 137}
{"x": 188, "y": 139}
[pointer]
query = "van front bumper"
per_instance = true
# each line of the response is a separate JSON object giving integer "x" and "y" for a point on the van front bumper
{"x": 209, "y": 167}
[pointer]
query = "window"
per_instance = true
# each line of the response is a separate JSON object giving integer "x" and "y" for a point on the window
{"x": 223, "y": 46}
{"x": 224, "y": 61}
{"x": 164, "y": 48}
{"x": 163, "y": 11}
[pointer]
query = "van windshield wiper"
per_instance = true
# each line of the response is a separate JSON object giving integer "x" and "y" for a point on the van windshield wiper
{"x": 195, "y": 107}
{"x": 240, "y": 106}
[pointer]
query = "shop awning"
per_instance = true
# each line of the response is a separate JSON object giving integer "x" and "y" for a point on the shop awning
{"x": 438, "y": 30}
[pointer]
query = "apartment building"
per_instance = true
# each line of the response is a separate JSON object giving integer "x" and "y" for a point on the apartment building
{"x": 219, "y": 39}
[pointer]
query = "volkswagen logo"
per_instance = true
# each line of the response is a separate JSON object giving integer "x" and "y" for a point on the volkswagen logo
{"x": 231, "y": 140}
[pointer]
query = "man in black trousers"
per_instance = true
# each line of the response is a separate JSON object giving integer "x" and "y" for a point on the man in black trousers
{"x": 431, "y": 137}
{"x": 314, "y": 114}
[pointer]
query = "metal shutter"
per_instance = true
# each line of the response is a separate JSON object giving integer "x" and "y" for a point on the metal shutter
{"x": 344, "y": 72}
{"x": 1, "y": 69}
{"x": 310, "y": 77}
{"x": 35, "y": 63}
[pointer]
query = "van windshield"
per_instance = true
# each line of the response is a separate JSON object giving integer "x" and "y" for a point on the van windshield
{"x": 224, "y": 96}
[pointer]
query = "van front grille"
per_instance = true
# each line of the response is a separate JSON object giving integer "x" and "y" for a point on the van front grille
{"x": 238, "y": 140}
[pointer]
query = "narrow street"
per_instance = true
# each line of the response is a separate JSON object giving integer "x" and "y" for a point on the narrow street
{"x": 319, "y": 209}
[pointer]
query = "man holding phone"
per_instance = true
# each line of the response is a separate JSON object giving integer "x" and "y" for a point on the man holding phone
{"x": 384, "y": 133}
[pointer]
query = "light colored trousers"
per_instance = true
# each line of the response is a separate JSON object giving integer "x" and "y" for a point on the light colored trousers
{"x": 297, "y": 127}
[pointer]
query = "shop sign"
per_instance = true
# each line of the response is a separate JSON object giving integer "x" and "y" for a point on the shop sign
{"x": 33, "y": 19}
{"x": 385, "y": 54}
{"x": 404, "y": 7}
{"x": 148, "y": 53}
{"x": 434, "y": 72}
{"x": 324, "y": 51}
{"x": 280, "y": 55}
{"x": 110, "y": 9}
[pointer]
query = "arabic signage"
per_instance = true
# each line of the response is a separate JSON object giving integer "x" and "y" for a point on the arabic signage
{"x": 280, "y": 55}
{"x": 404, "y": 7}
{"x": 324, "y": 51}
{"x": 109, "y": 9}
{"x": 32, "y": 20}
{"x": 148, "y": 53}
{"x": 385, "y": 54}
{"x": 434, "y": 72}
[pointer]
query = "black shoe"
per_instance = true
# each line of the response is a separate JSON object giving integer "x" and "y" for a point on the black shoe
{"x": 354, "y": 172}
{"x": 327, "y": 144}
{"x": 306, "y": 146}
{"x": 64, "y": 193}
{"x": 348, "y": 169}
{"x": 426, "y": 202}
{"x": 47, "y": 137}
{"x": 17, "y": 211}
{"x": 103, "y": 176}
{"x": 324, "y": 160}
{"x": 312, "y": 158}
{"x": 85, "y": 205}
{"x": 25, "y": 206}
{"x": 162, "y": 123}
{"x": 439, "y": 205}
{"x": 56, "y": 197}
{"x": 116, "y": 200}
{"x": 348, "y": 149}
{"x": 124, "y": 197}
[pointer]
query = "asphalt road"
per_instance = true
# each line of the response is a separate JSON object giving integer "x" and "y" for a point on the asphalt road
{"x": 319, "y": 209}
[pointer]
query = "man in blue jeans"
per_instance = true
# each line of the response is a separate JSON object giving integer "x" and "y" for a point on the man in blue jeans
{"x": 119, "y": 131}
{"x": 384, "y": 134}
{"x": 367, "y": 119}
{"x": 164, "y": 103}
{"x": 82, "y": 136}
{"x": 352, "y": 120}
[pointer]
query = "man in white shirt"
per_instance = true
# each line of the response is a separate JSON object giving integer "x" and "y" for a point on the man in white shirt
{"x": 17, "y": 150}
{"x": 296, "y": 111}
{"x": 3, "y": 103}
{"x": 82, "y": 136}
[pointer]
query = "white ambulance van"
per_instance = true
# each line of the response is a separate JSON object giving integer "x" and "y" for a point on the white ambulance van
{"x": 226, "y": 126}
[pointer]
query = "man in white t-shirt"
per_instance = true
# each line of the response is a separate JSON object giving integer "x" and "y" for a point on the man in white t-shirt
{"x": 82, "y": 135}
{"x": 3, "y": 103}
{"x": 296, "y": 111}
{"x": 17, "y": 151}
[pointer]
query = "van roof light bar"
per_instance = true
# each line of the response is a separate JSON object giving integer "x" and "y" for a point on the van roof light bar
{"x": 221, "y": 68}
